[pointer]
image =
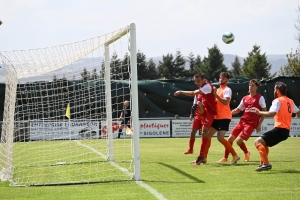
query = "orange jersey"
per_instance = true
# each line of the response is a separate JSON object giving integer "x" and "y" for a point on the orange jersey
{"x": 284, "y": 109}
{"x": 223, "y": 111}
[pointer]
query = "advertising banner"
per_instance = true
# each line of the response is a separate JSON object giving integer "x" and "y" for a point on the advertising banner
{"x": 154, "y": 128}
{"x": 40, "y": 130}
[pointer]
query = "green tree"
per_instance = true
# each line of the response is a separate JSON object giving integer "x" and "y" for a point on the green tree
{"x": 165, "y": 67}
{"x": 54, "y": 77}
{"x": 94, "y": 75}
{"x": 125, "y": 72}
{"x": 115, "y": 67}
{"x": 85, "y": 74}
{"x": 213, "y": 64}
{"x": 198, "y": 65}
{"x": 141, "y": 66}
{"x": 179, "y": 66}
{"x": 236, "y": 67}
{"x": 151, "y": 71}
{"x": 192, "y": 62}
{"x": 293, "y": 66}
{"x": 256, "y": 65}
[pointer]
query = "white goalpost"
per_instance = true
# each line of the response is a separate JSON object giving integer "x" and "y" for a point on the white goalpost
{"x": 62, "y": 108}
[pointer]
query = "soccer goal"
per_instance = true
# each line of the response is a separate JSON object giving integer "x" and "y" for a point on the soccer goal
{"x": 61, "y": 113}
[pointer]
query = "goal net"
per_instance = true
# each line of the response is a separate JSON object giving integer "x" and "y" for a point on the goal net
{"x": 61, "y": 114}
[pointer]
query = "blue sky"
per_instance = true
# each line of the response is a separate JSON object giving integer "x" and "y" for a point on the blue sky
{"x": 163, "y": 26}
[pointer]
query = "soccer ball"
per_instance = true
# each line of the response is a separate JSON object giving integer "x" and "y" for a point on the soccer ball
{"x": 228, "y": 37}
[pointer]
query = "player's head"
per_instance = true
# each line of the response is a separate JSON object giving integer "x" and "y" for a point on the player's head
{"x": 224, "y": 78}
{"x": 253, "y": 86}
{"x": 280, "y": 89}
{"x": 199, "y": 79}
{"x": 126, "y": 103}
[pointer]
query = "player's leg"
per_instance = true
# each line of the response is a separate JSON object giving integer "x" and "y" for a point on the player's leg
{"x": 207, "y": 120}
{"x": 191, "y": 141}
{"x": 234, "y": 133}
{"x": 244, "y": 136}
{"x": 269, "y": 139}
{"x": 196, "y": 126}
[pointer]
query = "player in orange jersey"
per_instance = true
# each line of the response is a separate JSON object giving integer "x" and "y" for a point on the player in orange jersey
{"x": 281, "y": 109}
{"x": 249, "y": 121}
{"x": 223, "y": 117}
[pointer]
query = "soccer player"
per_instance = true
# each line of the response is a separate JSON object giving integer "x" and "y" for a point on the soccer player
{"x": 207, "y": 110}
{"x": 223, "y": 117}
{"x": 126, "y": 112}
{"x": 248, "y": 122}
{"x": 196, "y": 126}
{"x": 281, "y": 109}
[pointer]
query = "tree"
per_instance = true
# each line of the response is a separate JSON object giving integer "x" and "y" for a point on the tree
{"x": 151, "y": 71}
{"x": 236, "y": 67}
{"x": 256, "y": 65}
{"x": 165, "y": 67}
{"x": 85, "y": 74}
{"x": 213, "y": 64}
{"x": 192, "y": 62}
{"x": 115, "y": 66}
{"x": 94, "y": 74}
{"x": 54, "y": 77}
{"x": 125, "y": 72}
{"x": 198, "y": 65}
{"x": 179, "y": 66}
{"x": 141, "y": 66}
{"x": 293, "y": 66}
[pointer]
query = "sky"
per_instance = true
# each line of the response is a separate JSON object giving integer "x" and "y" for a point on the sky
{"x": 163, "y": 26}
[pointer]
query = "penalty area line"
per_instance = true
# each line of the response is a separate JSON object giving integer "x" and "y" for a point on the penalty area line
{"x": 140, "y": 183}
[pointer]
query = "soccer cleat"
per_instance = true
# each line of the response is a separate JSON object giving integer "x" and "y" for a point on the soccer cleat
{"x": 264, "y": 167}
{"x": 189, "y": 151}
{"x": 235, "y": 159}
{"x": 199, "y": 160}
{"x": 223, "y": 160}
{"x": 247, "y": 156}
{"x": 204, "y": 161}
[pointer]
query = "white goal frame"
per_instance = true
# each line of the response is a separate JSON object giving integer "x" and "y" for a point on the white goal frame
{"x": 17, "y": 72}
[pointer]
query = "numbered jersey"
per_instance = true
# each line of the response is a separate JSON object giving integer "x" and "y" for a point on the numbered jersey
{"x": 284, "y": 107}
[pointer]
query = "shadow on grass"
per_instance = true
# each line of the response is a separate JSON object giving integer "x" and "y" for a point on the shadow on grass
{"x": 182, "y": 172}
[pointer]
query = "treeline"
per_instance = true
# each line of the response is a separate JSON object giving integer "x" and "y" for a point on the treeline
{"x": 255, "y": 65}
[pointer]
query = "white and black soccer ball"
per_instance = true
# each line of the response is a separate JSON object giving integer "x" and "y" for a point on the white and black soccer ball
{"x": 228, "y": 37}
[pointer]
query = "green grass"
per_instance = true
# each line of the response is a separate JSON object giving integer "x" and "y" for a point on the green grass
{"x": 169, "y": 172}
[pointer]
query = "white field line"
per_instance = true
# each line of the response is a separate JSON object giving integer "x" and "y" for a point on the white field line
{"x": 140, "y": 183}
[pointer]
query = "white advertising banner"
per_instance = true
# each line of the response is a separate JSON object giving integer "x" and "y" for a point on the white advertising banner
{"x": 155, "y": 128}
{"x": 182, "y": 128}
{"x": 115, "y": 129}
{"x": 40, "y": 130}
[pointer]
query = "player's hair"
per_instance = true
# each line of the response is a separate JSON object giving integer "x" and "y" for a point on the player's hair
{"x": 281, "y": 87}
{"x": 225, "y": 74}
{"x": 199, "y": 75}
{"x": 254, "y": 81}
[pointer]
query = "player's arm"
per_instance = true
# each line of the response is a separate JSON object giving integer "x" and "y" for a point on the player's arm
{"x": 194, "y": 108}
{"x": 226, "y": 94}
{"x": 121, "y": 115}
{"x": 188, "y": 93}
{"x": 240, "y": 108}
{"x": 272, "y": 111}
{"x": 262, "y": 118}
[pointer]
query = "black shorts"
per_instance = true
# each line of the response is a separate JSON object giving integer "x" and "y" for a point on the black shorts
{"x": 125, "y": 122}
{"x": 275, "y": 136}
{"x": 221, "y": 124}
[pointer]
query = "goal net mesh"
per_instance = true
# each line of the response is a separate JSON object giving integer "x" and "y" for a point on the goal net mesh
{"x": 57, "y": 104}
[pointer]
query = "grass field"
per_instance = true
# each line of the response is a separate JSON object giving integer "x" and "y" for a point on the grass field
{"x": 168, "y": 174}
